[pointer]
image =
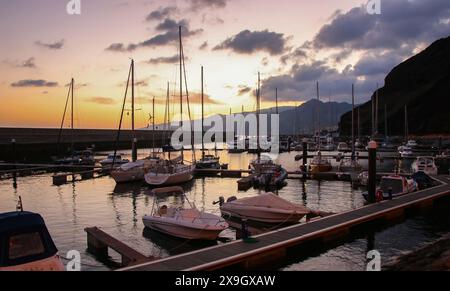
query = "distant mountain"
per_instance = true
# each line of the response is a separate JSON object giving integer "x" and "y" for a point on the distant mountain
{"x": 422, "y": 83}
{"x": 311, "y": 115}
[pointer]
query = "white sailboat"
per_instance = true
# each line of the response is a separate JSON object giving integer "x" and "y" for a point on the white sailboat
{"x": 172, "y": 172}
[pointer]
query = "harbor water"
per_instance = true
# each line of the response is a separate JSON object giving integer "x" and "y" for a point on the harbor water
{"x": 118, "y": 210}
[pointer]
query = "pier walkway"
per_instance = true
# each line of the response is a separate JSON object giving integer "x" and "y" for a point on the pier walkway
{"x": 276, "y": 245}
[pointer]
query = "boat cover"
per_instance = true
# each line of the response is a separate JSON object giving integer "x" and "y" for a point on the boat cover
{"x": 270, "y": 200}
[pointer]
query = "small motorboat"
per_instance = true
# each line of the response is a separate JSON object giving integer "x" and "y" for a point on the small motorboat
{"x": 349, "y": 166}
{"x": 343, "y": 147}
{"x": 363, "y": 178}
{"x": 187, "y": 223}
{"x": 426, "y": 165}
{"x": 267, "y": 208}
{"x": 168, "y": 173}
{"x": 412, "y": 143}
{"x": 268, "y": 174}
{"x": 118, "y": 160}
{"x": 26, "y": 244}
{"x": 319, "y": 164}
{"x": 406, "y": 152}
{"x": 394, "y": 186}
{"x": 208, "y": 162}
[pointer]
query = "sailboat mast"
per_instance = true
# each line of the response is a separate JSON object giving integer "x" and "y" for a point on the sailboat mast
{"x": 318, "y": 115}
{"x": 181, "y": 87}
{"x": 385, "y": 121}
{"x": 376, "y": 111}
{"x": 203, "y": 118}
{"x": 353, "y": 122}
{"x": 71, "y": 122}
{"x": 134, "y": 142}
{"x": 406, "y": 124}
{"x": 258, "y": 110}
{"x": 276, "y": 99}
{"x": 153, "y": 119}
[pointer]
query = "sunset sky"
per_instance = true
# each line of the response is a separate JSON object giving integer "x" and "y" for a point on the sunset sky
{"x": 293, "y": 43}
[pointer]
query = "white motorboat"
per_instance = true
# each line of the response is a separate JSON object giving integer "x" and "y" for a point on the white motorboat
{"x": 394, "y": 185}
{"x": 118, "y": 160}
{"x": 343, "y": 147}
{"x": 267, "y": 208}
{"x": 426, "y": 165}
{"x": 412, "y": 143}
{"x": 406, "y": 152}
{"x": 208, "y": 162}
{"x": 349, "y": 165}
{"x": 188, "y": 223}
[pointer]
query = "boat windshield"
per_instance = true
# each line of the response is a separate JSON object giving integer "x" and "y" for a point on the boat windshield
{"x": 395, "y": 184}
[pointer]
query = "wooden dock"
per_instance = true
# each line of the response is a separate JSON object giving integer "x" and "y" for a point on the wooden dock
{"x": 274, "y": 246}
{"x": 99, "y": 242}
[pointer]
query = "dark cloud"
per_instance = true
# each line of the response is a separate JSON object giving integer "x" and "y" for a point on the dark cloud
{"x": 401, "y": 22}
{"x": 29, "y": 63}
{"x": 297, "y": 54}
{"x": 161, "y": 13}
{"x": 168, "y": 35}
{"x": 164, "y": 60}
{"x": 300, "y": 83}
{"x": 204, "y": 46}
{"x": 101, "y": 100}
{"x": 52, "y": 46}
{"x": 243, "y": 90}
{"x": 196, "y": 5}
{"x": 248, "y": 42}
{"x": 34, "y": 83}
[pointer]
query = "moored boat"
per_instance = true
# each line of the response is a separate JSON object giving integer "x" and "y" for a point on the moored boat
{"x": 268, "y": 208}
{"x": 26, "y": 244}
{"x": 393, "y": 186}
{"x": 187, "y": 223}
{"x": 319, "y": 164}
{"x": 426, "y": 165}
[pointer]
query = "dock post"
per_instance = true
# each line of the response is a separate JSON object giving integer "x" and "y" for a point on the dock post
{"x": 305, "y": 157}
{"x": 372, "y": 170}
{"x": 134, "y": 150}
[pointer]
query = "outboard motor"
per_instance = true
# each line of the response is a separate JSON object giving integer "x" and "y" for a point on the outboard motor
{"x": 220, "y": 202}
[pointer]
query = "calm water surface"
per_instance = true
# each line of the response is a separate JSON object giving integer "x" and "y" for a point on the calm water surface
{"x": 118, "y": 210}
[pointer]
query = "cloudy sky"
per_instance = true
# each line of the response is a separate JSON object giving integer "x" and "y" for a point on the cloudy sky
{"x": 293, "y": 43}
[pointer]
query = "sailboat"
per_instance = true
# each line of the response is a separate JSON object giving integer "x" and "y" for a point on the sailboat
{"x": 207, "y": 161}
{"x": 264, "y": 170}
{"x": 351, "y": 164}
{"x": 134, "y": 170}
{"x": 78, "y": 158}
{"x": 172, "y": 172}
{"x": 319, "y": 164}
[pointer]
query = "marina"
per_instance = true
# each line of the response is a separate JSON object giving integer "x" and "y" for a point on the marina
{"x": 219, "y": 137}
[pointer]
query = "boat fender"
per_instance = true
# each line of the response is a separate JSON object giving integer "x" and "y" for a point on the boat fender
{"x": 379, "y": 196}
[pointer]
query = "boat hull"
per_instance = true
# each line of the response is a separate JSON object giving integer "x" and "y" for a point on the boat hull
{"x": 167, "y": 180}
{"x": 182, "y": 231}
{"x": 261, "y": 214}
{"x": 133, "y": 175}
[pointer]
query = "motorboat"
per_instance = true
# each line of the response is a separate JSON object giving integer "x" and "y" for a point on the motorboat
{"x": 168, "y": 172}
{"x": 406, "y": 152}
{"x": 187, "y": 223}
{"x": 267, "y": 208}
{"x": 343, "y": 147}
{"x": 26, "y": 244}
{"x": 319, "y": 164}
{"x": 426, "y": 165}
{"x": 266, "y": 173}
{"x": 412, "y": 143}
{"x": 117, "y": 160}
{"x": 79, "y": 158}
{"x": 363, "y": 178}
{"x": 349, "y": 165}
{"x": 395, "y": 186}
{"x": 209, "y": 162}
